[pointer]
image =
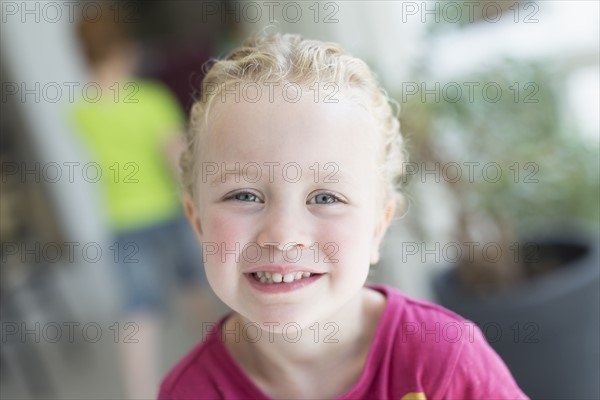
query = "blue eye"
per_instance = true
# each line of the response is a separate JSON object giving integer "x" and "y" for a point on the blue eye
{"x": 321, "y": 198}
{"x": 326, "y": 198}
{"x": 243, "y": 196}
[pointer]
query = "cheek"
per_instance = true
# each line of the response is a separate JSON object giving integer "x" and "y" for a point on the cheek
{"x": 223, "y": 227}
{"x": 347, "y": 240}
{"x": 223, "y": 235}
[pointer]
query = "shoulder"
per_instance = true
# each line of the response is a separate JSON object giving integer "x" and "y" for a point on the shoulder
{"x": 448, "y": 353}
{"x": 409, "y": 311}
{"x": 426, "y": 334}
{"x": 149, "y": 88}
{"x": 197, "y": 372}
{"x": 162, "y": 107}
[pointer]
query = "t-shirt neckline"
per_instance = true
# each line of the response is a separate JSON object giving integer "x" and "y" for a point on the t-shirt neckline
{"x": 366, "y": 375}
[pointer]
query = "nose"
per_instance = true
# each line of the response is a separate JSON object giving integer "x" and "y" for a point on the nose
{"x": 283, "y": 227}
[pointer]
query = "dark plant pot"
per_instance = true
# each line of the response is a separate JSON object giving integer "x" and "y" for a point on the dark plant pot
{"x": 546, "y": 329}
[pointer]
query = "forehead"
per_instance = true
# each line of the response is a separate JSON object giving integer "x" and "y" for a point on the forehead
{"x": 276, "y": 130}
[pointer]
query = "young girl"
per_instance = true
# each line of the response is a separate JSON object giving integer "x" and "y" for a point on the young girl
{"x": 291, "y": 172}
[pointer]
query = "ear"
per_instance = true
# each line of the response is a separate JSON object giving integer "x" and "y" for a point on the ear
{"x": 192, "y": 215}
{"x": 385, "y": 219}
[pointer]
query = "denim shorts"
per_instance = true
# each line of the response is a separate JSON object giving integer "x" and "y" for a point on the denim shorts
{"x": 151, "y": 260}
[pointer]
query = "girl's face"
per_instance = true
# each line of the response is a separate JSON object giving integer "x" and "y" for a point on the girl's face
{"x": 289, "y": 188}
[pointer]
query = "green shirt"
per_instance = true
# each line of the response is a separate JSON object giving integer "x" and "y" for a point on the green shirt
{"x": 126, "y": 135}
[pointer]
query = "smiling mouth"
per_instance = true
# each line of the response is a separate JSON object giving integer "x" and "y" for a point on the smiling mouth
{"x": 277, "y": 278}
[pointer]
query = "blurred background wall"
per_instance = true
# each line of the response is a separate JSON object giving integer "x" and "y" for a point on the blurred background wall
{"x": 443, "y": 62}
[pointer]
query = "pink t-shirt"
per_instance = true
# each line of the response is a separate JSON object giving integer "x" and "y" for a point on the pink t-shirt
{"x": 420, "y": 351}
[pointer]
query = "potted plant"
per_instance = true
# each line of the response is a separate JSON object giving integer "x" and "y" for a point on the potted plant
{"x": 522, "y": 185}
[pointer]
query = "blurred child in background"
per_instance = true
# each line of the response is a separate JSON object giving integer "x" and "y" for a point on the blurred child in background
{"x": 133, "y": 132}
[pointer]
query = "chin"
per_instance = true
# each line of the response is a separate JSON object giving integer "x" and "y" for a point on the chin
{"x": 284, "y": 320}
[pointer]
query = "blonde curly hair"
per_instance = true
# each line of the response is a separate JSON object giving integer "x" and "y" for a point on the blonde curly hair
{"x": 289, "y": 58}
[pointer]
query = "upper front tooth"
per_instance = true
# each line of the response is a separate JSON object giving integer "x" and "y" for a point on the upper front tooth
{"x": 287, "y": 278}
{"x": 276, "y": 277}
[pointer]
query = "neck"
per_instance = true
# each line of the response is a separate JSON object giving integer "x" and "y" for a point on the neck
{"x": 112, "y": 70}
{"x": 278, "y": 360}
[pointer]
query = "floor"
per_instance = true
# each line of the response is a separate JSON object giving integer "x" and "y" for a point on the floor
{"x": 86, "y": 365}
